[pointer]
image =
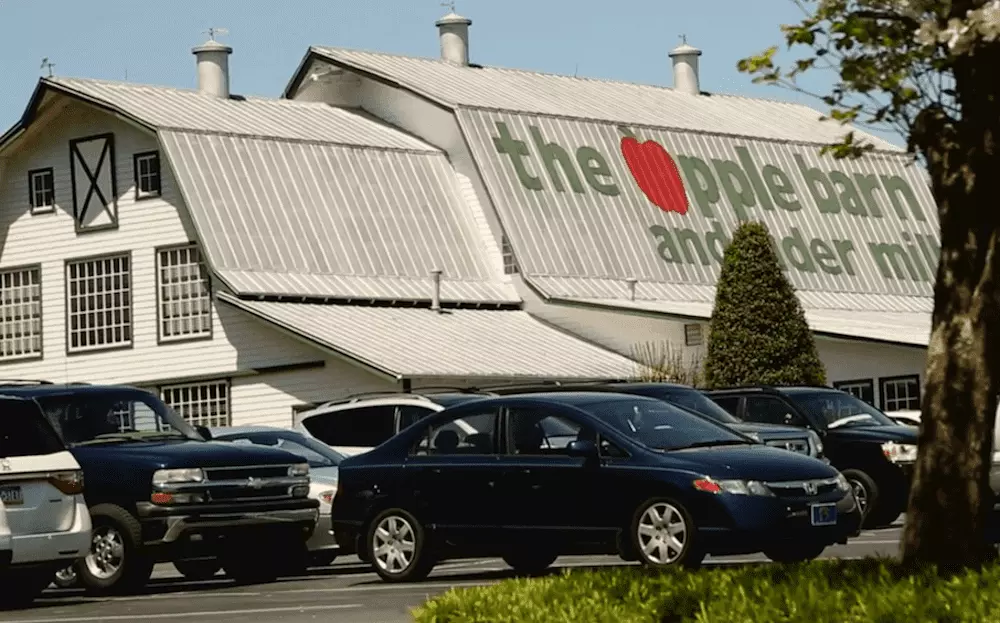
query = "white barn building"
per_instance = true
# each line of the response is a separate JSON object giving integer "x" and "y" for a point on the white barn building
{"x": 248, "y": 257}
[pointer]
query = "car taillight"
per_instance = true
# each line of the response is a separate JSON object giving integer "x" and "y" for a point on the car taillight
{"x": 327, "y": 496}
{"x": 708, "y": 486}
{"x": 70, "y": 483}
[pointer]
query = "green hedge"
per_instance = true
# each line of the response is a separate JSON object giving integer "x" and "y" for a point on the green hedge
{"x": 853, "y": 591}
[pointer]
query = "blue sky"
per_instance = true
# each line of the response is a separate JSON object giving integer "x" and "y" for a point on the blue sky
{"x": 151, "y": 42}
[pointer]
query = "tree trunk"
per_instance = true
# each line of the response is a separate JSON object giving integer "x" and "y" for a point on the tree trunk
{"x": 950, "y": 500}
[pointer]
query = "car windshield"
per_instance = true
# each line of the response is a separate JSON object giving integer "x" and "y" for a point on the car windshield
{"x": 700, "y": 403}
{"x": 840, "y": 409}
{"x": 662, "y": 426}
{"x": 315, "y": 453}
{"x": 91, "y": 418}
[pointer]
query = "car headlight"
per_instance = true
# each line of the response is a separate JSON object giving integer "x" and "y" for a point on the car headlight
{"x": 842, "y": 483}
{"x": 734, "y": 487}
{"x": 177, "y": 476}
{"x": 302, "y": 469}
{"x": 816, "y": 442}
{"x": 900, "y": 452}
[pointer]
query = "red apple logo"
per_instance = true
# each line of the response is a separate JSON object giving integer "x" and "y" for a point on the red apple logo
{"x": 656, "y": 174}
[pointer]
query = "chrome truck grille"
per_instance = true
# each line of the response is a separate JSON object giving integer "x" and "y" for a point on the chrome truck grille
{"x": 800, "y": 446}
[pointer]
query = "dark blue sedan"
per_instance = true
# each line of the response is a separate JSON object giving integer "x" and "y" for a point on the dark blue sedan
{"x": 532, "y": 477}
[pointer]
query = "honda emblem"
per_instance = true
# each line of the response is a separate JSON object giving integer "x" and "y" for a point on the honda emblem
{"x": 810, "y": 488}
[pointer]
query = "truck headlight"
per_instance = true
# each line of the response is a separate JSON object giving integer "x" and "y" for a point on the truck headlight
{"x": 177, "y": 476}
{"x": 900, "y": 452}
{"x": 302, "y": 469}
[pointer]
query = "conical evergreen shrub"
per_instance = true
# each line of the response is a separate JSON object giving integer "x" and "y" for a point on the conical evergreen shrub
{"x": 758, "y": 333}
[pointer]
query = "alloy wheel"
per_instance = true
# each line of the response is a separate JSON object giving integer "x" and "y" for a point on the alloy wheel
{"x": 860, "y": 494}
{"x": 107, "y": 553}
{"x": 662, "y": 533}
{"x": 394, "y": 544}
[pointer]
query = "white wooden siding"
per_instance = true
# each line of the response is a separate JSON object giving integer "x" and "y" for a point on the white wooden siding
{"x": 238, "y": 343}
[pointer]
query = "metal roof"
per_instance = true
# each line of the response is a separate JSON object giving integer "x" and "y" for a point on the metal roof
{"x": 322, "y": 220}
{"x": 498, "y": 88}
{"x": 407, "y": 343}
{"x": 193, "y": 111}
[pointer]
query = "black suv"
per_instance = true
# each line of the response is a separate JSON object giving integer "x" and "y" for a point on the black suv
{"x": 158, "y": 491}
{"x": 874, "y": 453}
{"x": 777, "y": 435}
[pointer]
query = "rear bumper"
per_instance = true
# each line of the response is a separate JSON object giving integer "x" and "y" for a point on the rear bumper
{"x": 74, "y": 543}
{"x": 323, "y": 538}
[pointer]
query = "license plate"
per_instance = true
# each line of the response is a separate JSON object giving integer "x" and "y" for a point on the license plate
{"x": 823, "y": 514}
{"x": 11, "y": 496}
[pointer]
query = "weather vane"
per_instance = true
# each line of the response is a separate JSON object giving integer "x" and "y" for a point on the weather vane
{"x": 684, "y": 39}
{"x": 46, "y": 64}
{"x": 211, "y": 32}
{"x": 450, "y": 4}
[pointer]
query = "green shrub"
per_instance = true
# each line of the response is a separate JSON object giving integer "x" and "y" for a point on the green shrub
{"x": 851, "y": 591}
{"x": 758, "y": 333}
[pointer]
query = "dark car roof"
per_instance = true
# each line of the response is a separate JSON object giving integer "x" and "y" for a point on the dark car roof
{"x": 48, "y": 389}
{"x": 452, "y": 399}
{"x": 776, "y": 389}
{"x": 580, "y": 398}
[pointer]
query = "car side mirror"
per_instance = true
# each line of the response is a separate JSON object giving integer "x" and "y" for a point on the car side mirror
{"x": 204, "y": 432}
{"x": 583, "y": 448}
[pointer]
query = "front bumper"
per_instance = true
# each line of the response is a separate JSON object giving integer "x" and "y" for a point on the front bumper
{"x": 763, "y": 523}
{"x": 323, "y": 538}
{"x": 28, "y": 549}
{"x": 165, "y": 525}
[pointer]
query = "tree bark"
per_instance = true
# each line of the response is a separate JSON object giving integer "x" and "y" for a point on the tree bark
{"x": 950, "y": 500}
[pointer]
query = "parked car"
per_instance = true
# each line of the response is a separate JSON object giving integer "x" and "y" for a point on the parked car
{"x": 44, "y": 522}
{"x": 874, "y": 453}
{"x": 637, "y": 476}
{"x": 358, "y": 423}
{"x": 323, "y": 461}
{"x": 799, "y": 440}
{"x": 158, "y": 491}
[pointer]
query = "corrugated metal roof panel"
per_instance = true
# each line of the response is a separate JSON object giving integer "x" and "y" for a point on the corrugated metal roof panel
{"x": 580, "y": 214}
{"x": 517, "y": 90}
{"x": 310, "y": 219}
{"x": 909, "y": 328}
{"x": 463, "y": 343}
{"x": 190, "y": 110}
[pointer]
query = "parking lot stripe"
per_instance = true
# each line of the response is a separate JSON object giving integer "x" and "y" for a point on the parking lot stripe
{"x": 188, "y": 615}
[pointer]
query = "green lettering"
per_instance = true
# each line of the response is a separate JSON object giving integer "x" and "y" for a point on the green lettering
{"x": 868, "y": 184}
{"x": 849, "y": 198}
{"x": 844, "y": 249}
{"x": 825, "y": 257}
{"x": 551, "y": 153}
{"x": 737, "y": 187}
{"x": 517, "y": 150}
{"x": 819, "y": 187}
{"x": 892, "y": 260}
{"x": 717, "y": 241}
{"x": 750, "y": 168}
{"x": 915, "y": 257}
{"x": 593, "y": 165}
{"x": 667, "y": 249}
{"x": 932, "y": 252}
{"x": 701, "y": 184}
{"x": 896, "y": 186}
{"x": 795, "y": 248}
{"x": 781, "y": 188}
{"x": 777, "y": 253}
{"x": 691, "y": 245}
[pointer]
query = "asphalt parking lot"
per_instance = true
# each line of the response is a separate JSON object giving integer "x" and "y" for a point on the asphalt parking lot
{"x": 348, "y": 592}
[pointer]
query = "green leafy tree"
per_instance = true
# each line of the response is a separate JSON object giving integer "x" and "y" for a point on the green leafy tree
{"x": 758, "y": 333}
{"x": 931, "y": 70}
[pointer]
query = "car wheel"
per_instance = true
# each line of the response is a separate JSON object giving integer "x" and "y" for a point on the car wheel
{"x": 198, "y": 570}
{"x": 866, "y": 493}
{"x": 395, "y": 544}
{"x": 66, "y": 577}
{"x": 116, "y": 562}
{"x": 23, "y": 586}
{"x": 530, "y": 562}
{"x": 664, "y": 535}
{"x": 797, "y": 552}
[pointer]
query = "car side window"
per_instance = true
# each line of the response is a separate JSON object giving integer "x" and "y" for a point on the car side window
{"x": 410, "y": 414}
{"x": 362, "y": 427}
{"x": 535, "y": 432}
{"x": 473, "y": 433}
{"x": 610, "y": 449}
{"x": 770, "y": 410}
{"x": 729, "y": 403}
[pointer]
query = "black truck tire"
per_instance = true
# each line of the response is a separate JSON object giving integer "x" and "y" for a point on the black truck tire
{"x": 198, "y": 569}
{"x": 116, "y": 562}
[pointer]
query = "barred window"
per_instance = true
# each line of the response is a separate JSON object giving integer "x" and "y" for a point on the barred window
{"x": 41, "y": 190}
{"x": 100, "y": 303}
{"x": 147, "y": 174}
{"x": 901, "y": 393}
{"x": 200, "y": 404}
{"x": 509, "y": 261}
{"x": 21, "y": 309}
{"x": 185, "y": 301}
